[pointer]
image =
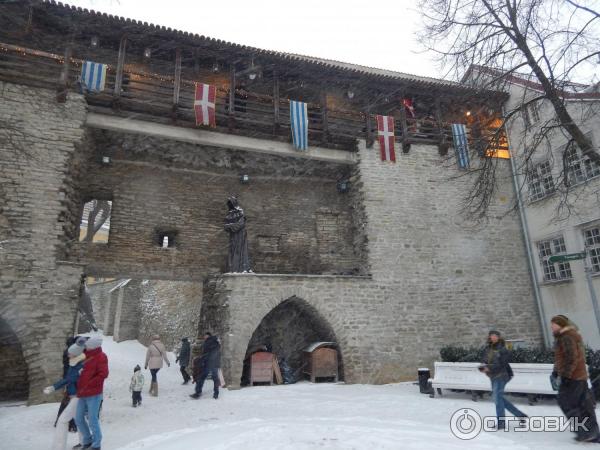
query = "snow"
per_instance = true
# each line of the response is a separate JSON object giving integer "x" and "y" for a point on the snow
{"x": 295, "y": 417}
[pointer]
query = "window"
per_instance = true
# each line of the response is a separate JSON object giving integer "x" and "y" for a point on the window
{"x": 592, "y": 242}
{"x": 540, "y": 181}
{"x": 95, "y": 221}
{"x": 530, "y": 114}
{"x": 580, "y": 168}
{"x": 554, "y": 271}
{"x": 166, "y": 238}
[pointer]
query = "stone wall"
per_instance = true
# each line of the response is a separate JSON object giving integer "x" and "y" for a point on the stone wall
{"x": 437, "y": 278}
{"x": 297, "y": 222}
{"x": 38, "y": 290}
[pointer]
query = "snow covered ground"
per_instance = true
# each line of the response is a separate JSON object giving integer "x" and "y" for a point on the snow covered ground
{"x": 300, "y": 416}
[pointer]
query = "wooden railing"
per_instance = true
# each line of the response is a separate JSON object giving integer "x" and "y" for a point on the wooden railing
{"x": 170, "y": 98}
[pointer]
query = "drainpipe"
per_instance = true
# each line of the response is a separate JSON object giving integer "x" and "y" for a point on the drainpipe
{"x": 525, "y": 230}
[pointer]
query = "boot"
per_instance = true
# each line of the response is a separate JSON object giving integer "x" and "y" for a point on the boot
{"x": 155, "y": 392}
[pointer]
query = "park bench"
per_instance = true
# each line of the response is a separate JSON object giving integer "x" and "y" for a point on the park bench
{"x": 530, "y": 379}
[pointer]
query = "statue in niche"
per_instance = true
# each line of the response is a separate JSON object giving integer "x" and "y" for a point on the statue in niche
{"x": 235, "y": 225}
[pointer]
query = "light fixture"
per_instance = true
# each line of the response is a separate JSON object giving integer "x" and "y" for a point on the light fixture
{"x": 106, "y": 160}
{"x": 244, "y": 179}
{"x": 147, "y": 52}
{"x": 468, "y": 113}
{"x": 252, "y": 75}
{"x": 94, "y": 41}
{"x": 350, "y": 94}
{"x": 343, "y": 186}
{"x": 215, "y": 67}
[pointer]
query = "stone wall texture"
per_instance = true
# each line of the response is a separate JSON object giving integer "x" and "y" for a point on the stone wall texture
{"x": 436, "y": 278}
{"x": 38, "y": 290}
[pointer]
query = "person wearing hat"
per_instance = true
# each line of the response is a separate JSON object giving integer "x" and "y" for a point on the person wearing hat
{"x": 497, "y": 367}
{"x": 136, "y": 386}
{"x": 184, "y": 359}
{"x": 574, "y": 397}
{"x": 89, "y": 391}
{"x": 75, "y": 361}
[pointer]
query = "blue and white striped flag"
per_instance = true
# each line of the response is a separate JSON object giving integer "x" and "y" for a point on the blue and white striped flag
{"x": 93, "y": 76}
{"x": 299, "y": 122}
{"x": 461, "y": 145}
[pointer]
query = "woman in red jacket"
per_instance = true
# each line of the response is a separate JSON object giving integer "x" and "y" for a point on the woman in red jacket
{"x": 89, "y": 393}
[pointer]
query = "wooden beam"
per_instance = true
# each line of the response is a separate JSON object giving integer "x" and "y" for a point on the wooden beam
{"x": 177, "y": 78}
{"x": 120, "y": 66}
{"x": 325, "y": 120}
{"x": 276, "y": 99}
{"x": 63, "y": 82}
{"x": 403, "y": 123}
{"x": 369, "y": 126}
{"x": 232, "y": 90}
{"x": 443, "y": 145}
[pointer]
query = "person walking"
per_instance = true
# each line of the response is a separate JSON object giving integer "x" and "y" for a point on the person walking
{"x": 207, "y": 363}
{"x": 155, "y": 355}
{"x": 75, "y": 363}
{"x": 136, "y": 386}
{"x": 497, "y": 367}
{"x": 574, "y": 397}
{"x": 184, "y": 359}
{"x": 66, "y": 398}
{"x": 89, "y": 392}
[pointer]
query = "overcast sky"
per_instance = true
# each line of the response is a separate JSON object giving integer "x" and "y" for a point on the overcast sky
{"x": 372, "y": 33}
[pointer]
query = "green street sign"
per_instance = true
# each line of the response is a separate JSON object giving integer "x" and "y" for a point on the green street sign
{"x": 567, "y": 257}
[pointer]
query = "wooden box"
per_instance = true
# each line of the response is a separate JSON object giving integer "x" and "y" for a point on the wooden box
{"x": 321, "y": 361}
{"x": 261, "y": 368}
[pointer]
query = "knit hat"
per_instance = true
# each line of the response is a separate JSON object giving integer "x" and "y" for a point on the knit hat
{"x": 93, "y": 342}
{"x": 75, "y": 350}
{"x": 497, "y": 333}
{"x": 137, "y": 368}
{"x": 560, "y": 320}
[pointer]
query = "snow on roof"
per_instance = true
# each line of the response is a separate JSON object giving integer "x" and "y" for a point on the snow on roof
{"x": 312, "y": 347}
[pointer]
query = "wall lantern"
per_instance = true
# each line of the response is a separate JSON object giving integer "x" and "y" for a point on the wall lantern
{"x": 343, "y": 186}
{"x": 244, "y": 179}
{"x": 94, "y": 41}
{"x": 468, "y": 113}
{"x": 350, "y": 94}
{"x": 215, "y": 67}
{"x": 147, "y": 52}
{"x": 105, "y": 160}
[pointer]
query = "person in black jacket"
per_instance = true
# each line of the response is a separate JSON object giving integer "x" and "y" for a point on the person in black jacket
{"x": 207, "y": 363}
{"x": 184, "y": 359}
{"x": 496, "y": 365}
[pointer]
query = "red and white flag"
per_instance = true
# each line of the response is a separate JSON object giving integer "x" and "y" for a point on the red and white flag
{"x": 385, "y": 132}
{"x": 204, "y": 104}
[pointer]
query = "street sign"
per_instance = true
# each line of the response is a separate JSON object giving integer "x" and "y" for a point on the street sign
{"x": 567, "y": 257}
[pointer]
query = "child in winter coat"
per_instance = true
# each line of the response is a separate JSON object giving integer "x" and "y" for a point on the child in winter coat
{"x": 76, "y": 361}
{"x": 136, "y": 386}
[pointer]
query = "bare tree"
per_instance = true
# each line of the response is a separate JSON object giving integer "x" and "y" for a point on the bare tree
{"x": 99, "y": 213}
{"x": 491, "y": 41}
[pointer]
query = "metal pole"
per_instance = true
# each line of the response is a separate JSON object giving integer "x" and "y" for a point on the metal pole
{"x": 588, "y": 277}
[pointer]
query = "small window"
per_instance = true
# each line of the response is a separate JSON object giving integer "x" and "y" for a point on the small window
{"x": 580, "y": 168}
{"x": 95, "y": 221}
{"x": 592, "y": 242}
{"x": 166, "y": 238}
{"x": 540, "y": 181}
{"x": 554, "y": 271}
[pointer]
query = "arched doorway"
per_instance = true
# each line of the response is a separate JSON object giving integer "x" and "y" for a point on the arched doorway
{"x": 286, "y": 331}
{"x": 14, "y": 380}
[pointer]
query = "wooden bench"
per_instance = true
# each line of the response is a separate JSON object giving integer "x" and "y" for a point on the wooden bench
{"x": 530, "y": 379}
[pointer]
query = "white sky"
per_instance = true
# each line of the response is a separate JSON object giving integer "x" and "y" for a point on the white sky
{"x": 372, "y": 33}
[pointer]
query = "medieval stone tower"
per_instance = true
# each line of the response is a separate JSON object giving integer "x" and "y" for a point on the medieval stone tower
{"x": 375, "y": 255}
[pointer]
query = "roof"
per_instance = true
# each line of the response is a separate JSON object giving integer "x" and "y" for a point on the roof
{"x": 523, "y": 80}
{"x": 292, "y": 57}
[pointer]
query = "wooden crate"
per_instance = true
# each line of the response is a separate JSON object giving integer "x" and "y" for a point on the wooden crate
{"x": 261, "y": 368}
{"x": 321, "y": 361}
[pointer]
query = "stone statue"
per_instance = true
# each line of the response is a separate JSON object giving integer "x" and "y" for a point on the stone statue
{"x": 235, "y": 225}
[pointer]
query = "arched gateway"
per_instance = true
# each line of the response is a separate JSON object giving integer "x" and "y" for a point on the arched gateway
{"x": 14, "y": 379}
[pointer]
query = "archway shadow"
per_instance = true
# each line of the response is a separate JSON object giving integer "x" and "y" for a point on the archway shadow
{"x": 14, "y": 379}
{"x": 286, "y": 331}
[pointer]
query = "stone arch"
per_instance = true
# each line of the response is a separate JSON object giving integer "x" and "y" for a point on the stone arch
{"x": 288, "y": 328}
{"x": 14, "y": 370}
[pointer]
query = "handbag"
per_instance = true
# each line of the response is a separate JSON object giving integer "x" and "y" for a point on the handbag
{"x": 555, "y": 382}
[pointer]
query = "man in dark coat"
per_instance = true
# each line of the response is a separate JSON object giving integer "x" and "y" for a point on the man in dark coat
{"x": 184, "y": 359}
{"x": 496, "y": 365}
{"x": 574, "y": 397}
{"x": 207, "y": 363}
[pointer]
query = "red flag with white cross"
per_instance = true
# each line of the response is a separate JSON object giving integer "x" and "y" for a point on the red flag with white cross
{"x": 204, "y": 104}
{"x": 385, "y": 132}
